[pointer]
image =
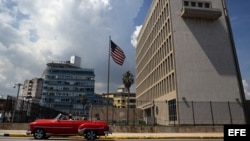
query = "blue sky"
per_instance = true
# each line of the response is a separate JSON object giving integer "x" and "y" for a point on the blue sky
{"x": 36, "y": 32}
{"x": 240, "y": 20}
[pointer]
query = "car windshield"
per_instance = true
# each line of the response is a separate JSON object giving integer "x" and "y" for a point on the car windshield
{"x": 59, "y": 116}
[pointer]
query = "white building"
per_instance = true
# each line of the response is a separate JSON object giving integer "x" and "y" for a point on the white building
{"x": 186, "y": 65}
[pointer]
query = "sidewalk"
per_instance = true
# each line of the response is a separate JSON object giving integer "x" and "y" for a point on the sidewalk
{"x": 22, "y": 133}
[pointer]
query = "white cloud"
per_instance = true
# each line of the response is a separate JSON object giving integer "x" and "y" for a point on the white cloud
{"x": 246, "y": 89}
{"x": 34, "y": 33}
{"x": 135, "y": 35}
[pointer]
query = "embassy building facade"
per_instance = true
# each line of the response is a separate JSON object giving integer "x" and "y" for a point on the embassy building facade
{"x": 187, "y": 69}
{"x": 68, "y": 88}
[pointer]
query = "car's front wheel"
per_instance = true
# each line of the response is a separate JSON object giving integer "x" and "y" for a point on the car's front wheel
{"x": 90, "y": 135}
{"x": 39, "y": 134}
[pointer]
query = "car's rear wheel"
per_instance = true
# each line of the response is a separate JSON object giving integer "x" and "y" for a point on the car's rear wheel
{"x": 39, "y": 134}
{"x": 90, "y": 135}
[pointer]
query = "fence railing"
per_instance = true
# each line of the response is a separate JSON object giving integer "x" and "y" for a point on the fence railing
{"x": 186, "y": 113}
{"x": 23, "y": 111}
{"x": 158, "y": 113}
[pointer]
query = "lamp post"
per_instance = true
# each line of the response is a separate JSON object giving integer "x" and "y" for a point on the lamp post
{"x": 14, "y": 86}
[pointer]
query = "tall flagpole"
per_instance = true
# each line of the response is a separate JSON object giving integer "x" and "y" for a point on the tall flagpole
{"x": 108, "y": 78}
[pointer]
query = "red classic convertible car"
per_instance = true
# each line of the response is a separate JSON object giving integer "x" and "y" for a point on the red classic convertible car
{"x": 59, "y": 126}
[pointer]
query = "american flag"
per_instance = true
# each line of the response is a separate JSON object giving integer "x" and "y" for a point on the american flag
{"x": 117, "y": 54}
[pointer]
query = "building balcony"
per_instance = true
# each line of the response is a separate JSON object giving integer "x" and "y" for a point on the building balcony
{"x": 197, "y": 12}
{"x": 67, "y": 91}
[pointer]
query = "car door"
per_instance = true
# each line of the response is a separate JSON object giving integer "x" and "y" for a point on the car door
{"x": 63, "y": 127}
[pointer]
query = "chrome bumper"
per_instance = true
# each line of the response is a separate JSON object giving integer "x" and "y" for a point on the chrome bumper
{"x": 28, "y": 132}
{"x": 81, "y": 131}
{"x": 108, "y": 132}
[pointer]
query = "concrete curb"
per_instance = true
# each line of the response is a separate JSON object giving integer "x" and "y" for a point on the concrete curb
{"x": 162, "y": 137}
{"x": 15, "y": 135}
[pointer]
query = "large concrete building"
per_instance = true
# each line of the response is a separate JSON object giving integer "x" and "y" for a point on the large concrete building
{"x": 68, "y": 88}
{"x": 122, "y": 99}
{"x": 186, "y": 65}
{"x": 32, "y": 89}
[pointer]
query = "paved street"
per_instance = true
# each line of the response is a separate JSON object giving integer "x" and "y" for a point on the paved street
{"x": 80, "y": 139}
{"x": 22, "y": 133}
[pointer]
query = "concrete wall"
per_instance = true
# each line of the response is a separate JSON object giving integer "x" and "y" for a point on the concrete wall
{"x": 14, "y": 126}
{"x": 205, "y": 65}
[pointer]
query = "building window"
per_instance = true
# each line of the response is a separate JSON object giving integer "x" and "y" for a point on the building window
{"x": 200, "y": 4}
{"x": 172, "y": 110}
{"x": 186, "y": 3}
{"x": 197, "y": 4}
{"x": 207, "y": 5}
{"x": 193, "y": 4}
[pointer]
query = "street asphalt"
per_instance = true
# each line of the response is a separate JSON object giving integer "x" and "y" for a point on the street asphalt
{"x": 22, "y": 133}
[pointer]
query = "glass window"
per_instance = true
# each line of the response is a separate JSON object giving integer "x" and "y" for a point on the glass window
{"x": 186, "y": 3}
{"x": 207, "y": 5}
{"x": 193, "y": 4}
{"x": 172, "y": 110}
{"x": 200, "y": 4}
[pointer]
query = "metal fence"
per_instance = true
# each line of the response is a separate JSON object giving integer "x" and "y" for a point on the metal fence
{"x": 24, "y": 111}
{"x": 186, "y": 113}
{"x": 157, "y": 113}
{"x": 117, "y": 116}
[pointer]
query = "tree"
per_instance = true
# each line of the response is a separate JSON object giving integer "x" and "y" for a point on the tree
{"x": 128, "y": 80}
{"x": 84, "y": 102}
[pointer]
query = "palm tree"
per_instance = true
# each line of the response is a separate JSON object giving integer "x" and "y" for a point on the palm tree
{"x": 84, "y": 102}
{"x": 128, "y": 80}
